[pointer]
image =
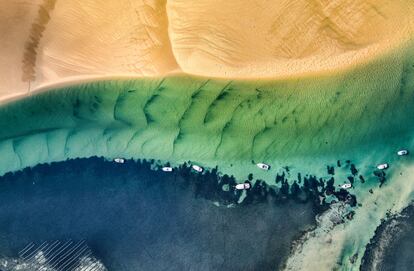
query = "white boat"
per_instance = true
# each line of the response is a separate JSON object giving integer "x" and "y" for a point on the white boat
{"x": 402, "y": 152}
{"x": 382, "y": 166}
{"x": 243, "y": 186}
{"x": 197, "y": 168}
{"x": 263, "y": 166}
{"x": 346, "y": 186}
{"x": 167, "y": 169}
{"x": 119, "y": 160}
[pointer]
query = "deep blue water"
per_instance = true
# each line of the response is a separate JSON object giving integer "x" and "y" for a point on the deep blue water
{"x": 393, "y": 244}
{"x": 134, "y": 218}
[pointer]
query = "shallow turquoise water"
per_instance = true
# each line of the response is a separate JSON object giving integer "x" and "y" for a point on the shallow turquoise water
{"x": 363, "y": 115}
{"x": 306, "y": 124}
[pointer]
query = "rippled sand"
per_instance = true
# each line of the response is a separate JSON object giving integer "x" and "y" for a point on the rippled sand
{"x": 47, "y": 42}
{"x": 267, "y": 39}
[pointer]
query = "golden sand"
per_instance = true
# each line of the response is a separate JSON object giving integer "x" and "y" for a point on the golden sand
{"x": 47, "y": 42}
{"x": 262, "y": 38}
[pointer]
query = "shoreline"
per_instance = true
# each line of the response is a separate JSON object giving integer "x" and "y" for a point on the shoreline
{"x": 325, "y": 74}
{"x": 126, "y": 120}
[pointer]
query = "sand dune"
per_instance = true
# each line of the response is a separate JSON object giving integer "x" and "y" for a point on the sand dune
{"x": 109, "y": 37}
{"x": 264, "y": 38}
{"x": 46, "y": 42}
{"x": 51, "y": 41}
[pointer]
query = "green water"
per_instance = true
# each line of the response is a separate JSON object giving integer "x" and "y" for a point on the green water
{"x": 363, "y": 115}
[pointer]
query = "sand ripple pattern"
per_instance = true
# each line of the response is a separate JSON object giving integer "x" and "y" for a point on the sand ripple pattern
{"x": 47, "y": 41}
{"x": 267, "y": 39}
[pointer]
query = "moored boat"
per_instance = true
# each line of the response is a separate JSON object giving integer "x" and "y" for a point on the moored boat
{"x": 119, "y": 160}
{"x": 263, "y": 166}
{"x": 197, "y": 168}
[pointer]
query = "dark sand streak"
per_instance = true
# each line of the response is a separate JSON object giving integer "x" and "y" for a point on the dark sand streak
{"x": 35, "y": 35}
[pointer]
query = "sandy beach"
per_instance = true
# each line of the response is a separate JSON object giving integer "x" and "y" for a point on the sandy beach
{"x": 49, "y": 42}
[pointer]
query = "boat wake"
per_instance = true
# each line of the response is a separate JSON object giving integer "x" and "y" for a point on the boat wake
{"x": 53, "y": 256}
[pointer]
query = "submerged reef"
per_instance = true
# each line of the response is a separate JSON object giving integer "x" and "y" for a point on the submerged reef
{"x": 220, "y": 188}
{"x": 392, "y": 245}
